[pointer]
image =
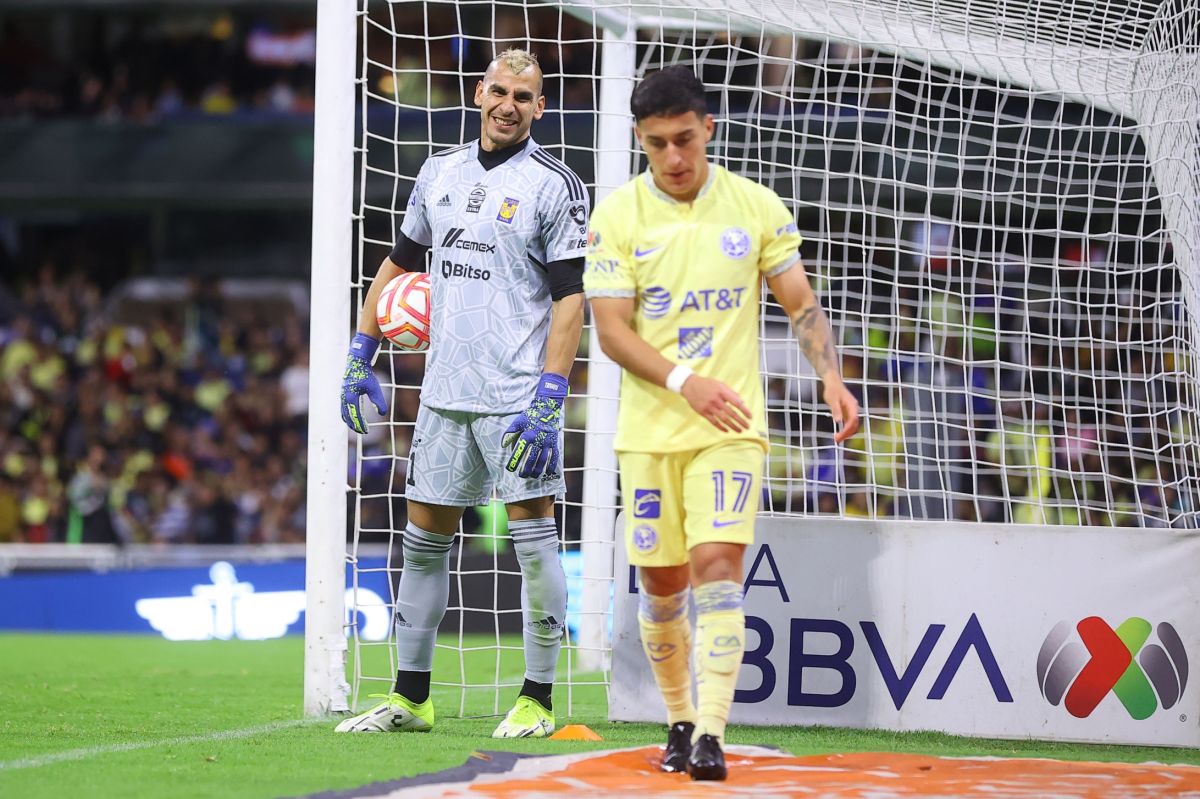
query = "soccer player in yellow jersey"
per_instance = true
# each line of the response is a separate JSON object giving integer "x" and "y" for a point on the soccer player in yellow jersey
{"x": 676, "y": 262}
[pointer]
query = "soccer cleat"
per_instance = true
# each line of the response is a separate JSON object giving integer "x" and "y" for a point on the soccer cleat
{"x": 527, "y": 719}
{"x": 707, "y": 761}
{"x": 679, "y": 746}
{"x": 393, "y": 714}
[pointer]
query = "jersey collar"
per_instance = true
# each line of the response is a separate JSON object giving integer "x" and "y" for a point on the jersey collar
{"x": 493, "y": 159}
{"x": 648, "y": 177}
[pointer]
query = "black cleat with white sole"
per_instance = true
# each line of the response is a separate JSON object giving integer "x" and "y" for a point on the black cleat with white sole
{"x": 707, "y": 761}
{"x": 679, "y": 746}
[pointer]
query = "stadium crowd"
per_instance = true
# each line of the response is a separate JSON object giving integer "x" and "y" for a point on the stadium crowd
{"x": 989, "y": 397}
{"x": 144, "y": 68}
{"x": 184, "y": 427}
{"x": 1012, "y": 392}
{"x": 187, "y": 424}
{"x": 147, "y": 67}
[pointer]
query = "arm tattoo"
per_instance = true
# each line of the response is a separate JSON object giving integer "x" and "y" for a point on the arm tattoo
{"x": 816, "y": 339}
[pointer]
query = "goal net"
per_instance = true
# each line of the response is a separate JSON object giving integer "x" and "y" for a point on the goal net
{"x": 999, "y": 205}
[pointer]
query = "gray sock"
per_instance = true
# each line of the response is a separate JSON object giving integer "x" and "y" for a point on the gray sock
{"x": 422, "y": 596}
{"x": 543, "y": 595}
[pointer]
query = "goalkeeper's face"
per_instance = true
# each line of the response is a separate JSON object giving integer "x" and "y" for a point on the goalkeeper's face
{"x": 677, "y": 149}
{"x": 508, "y": 103}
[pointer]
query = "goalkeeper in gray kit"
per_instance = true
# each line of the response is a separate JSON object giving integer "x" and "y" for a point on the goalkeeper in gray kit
{"x": 505, "y": 225}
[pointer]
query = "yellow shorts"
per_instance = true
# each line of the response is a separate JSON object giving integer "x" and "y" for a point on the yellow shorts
{"x": 677, "y": 500}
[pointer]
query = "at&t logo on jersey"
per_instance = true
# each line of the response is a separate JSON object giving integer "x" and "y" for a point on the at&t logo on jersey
{"x": 656, "y": 301}
{"x": 735, "y": 242}
{"x": 712, "y": 299}
{"x": 1080, "y": 671}
{"x": 695, "y": 342}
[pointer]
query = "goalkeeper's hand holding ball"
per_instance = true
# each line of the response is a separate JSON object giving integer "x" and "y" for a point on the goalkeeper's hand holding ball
{"x": 360, "y": 379}
{"x": 534, "y": 434}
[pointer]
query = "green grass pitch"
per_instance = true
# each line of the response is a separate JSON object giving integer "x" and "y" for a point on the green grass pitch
{"x": 121, "y": 716}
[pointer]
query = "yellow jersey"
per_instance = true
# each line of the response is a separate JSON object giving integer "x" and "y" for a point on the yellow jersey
{"x": 695, "y": 271}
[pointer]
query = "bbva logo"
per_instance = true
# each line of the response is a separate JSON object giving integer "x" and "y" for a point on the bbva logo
{"x": 1080, "y": 672}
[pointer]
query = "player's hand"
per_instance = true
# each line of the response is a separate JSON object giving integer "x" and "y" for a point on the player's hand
{"x": 534, "y": 434}
{"x": 360, "y": 379}
{"x": 843, "y": 407}
{"x": 718, "y": 403}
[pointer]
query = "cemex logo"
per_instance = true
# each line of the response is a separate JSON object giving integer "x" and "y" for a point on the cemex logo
{"x": 1080, "y": 672}
{"x": 454, "y": 240}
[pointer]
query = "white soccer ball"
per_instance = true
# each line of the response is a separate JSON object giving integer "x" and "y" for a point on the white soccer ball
{"x": 403, "y": 311}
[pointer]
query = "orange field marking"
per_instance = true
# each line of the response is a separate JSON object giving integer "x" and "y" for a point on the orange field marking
{"x": 760, "y": 772}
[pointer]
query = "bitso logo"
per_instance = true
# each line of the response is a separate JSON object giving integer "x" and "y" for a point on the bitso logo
{"x": 1142, "y": 674}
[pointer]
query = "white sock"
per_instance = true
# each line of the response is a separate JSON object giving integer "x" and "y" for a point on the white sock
{"x": 421, "y": 597}
{"x": 543, "y": 595}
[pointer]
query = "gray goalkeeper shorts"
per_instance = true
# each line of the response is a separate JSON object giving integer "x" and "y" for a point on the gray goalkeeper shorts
{"x": 457, "y": 459}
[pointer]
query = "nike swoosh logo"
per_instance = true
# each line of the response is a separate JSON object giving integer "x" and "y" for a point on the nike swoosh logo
{"x": 662, "y": 658}
{"x": 640, "y": 253}
{"x": 713, "y": 654}
{"x": 717, "y": 524}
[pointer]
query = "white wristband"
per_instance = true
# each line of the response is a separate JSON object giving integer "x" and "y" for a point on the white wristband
{"x": 677, "y": 377}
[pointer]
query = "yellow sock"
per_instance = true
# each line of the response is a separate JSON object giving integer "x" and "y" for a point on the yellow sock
{"x": 667, "y": 642}
{"x": 720, "y": 641}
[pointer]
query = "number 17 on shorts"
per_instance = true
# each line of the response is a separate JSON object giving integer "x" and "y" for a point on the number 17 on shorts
{"x": 676, "y": 500}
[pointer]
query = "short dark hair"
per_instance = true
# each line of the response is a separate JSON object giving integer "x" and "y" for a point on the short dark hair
{"x": 667, "y": 93}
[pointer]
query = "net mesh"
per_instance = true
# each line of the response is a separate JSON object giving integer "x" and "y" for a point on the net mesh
{"x": 999, "y": 208}
{"x": 420, "y": 65}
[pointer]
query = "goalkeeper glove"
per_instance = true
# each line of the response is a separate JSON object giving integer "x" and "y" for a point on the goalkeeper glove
{"x": 535, "y": 431}
{"x": 360, "y": 379}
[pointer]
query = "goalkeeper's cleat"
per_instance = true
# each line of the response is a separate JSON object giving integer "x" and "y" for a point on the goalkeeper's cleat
{"x": 393, "y": 714}
{"x": 527, "y": 719}
{"x": 679, "y": 746}
{"x": 707, "y": 761}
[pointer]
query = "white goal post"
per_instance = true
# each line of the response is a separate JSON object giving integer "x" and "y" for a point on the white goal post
{"x": 1000, "y": 201}
{"x": 325, "y": 687}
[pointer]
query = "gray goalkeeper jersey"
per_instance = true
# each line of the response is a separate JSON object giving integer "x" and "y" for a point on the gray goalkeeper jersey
{"x": 491, "y": 233}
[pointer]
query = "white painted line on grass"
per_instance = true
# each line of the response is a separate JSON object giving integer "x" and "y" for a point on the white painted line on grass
{"x": 92, "y": 751}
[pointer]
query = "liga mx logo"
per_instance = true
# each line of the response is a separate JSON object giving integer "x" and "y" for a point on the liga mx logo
{"x": 645, "y": 538}
{"x": 1080, "y": 673}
